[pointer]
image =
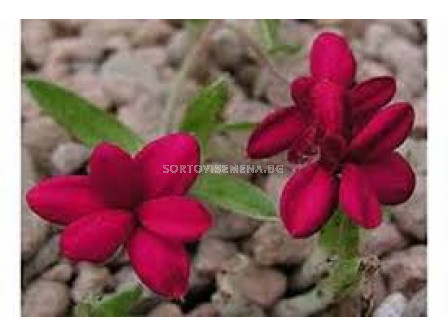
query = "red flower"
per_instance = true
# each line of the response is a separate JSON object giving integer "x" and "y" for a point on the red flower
{"x": 344, "y": 136}
{"x": 130, "y": 201}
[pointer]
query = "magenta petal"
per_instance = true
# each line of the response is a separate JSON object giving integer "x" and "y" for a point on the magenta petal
{"x": 64, "y": 199}
{"x": 386, "y": 131}
{"x": 176, "y": 218}
{"x": 358, "y": 199}
{"x": 329, "y": 106}
{"x": 392, "y": 179}
{"x": 332, "y": 59}
{"x": 308, "y": 200}
{"x": 96, "y": 237}
{"x": 301, "y": 93}
{"x": 162, "y": 265}
{"x": 372, "y": 95}
{"x": 154, "y": 161}
{"x": 113, "y": 174}
{"x": 275, "y": 133}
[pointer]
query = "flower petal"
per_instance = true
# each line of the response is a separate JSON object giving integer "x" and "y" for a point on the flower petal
{"x": 275, "y": 133}
{"x": 329, "y": 106}
{"x": 96, "y": 237}
{"x": 392, "y": 179}
{"x": 332, "y": 59}
{"x": 386, "y": 131}
{"x": 113, "y": 175}
{"x": 154, "y": 161}
{"x": 308, "y": 200}
{"x": 358, "y": 199}
{"x": 301, "y": 93}
{"x": 162, "y": 265}
{"x": 64, "y": 199}
{"x": 176, "y": 218}
{"x": 371, "y": 95}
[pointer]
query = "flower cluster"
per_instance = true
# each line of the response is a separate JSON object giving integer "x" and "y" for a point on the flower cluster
{"x": 129, "y": 201}
{"x": 342, "y": 135}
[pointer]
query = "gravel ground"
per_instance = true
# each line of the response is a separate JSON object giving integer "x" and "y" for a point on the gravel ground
{"x": 242, "y": 267}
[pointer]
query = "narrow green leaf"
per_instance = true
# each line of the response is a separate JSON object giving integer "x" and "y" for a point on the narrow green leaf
{"x": 87, "y": 122}
{"x": 235, "y": 195}
{"x": 240, "y": 126}
{"x": 114, "y": 305}
{"x": 269, "y": 32}
{"x": 202, "y": 114}
{"x": 285, "y": 49}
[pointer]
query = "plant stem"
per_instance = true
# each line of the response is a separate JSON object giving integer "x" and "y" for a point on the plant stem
{"x": 195, "y": 52}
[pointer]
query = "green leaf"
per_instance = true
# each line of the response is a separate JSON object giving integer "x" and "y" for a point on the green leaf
{"x": 202, "y": 114}
{"x": 240, "y": 126}
{"x": 87, "y": 122}
{"x": 269, "y": 32}
{"x": 285, "y": 49}
{"x": 114, "y": 305}
{"x": 235, "y": 195}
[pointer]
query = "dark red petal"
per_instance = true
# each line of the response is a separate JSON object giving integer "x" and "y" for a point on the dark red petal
{"x": 392, "y": 179}
{"x": 358, "y": 199}
{"x": 304, "y": 149}
{"x": 64, "y": 199}
{"x": 96, "y": 237}
{"x": 176, "y": 218}
{"x": 372, "y": 94}
{"x": 308, "y": 200}
{"x": 113, "y": 175}
{"x": 275, "y": 133}
{"x": 329, "y": 106}
{"x": 162, "y": 265}
{"x": 301, "y": 93}
{"x": 154, "y": 162}
{"x": 332, "y": 59}
{"x": 386, "y": 131}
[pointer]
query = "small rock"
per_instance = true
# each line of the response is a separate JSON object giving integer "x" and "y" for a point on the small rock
{"x": 204, "y": 310}
{"x": 61, "y": 272}
{"x": 45, "y": 257}
{"x": 274, "y": 185}
{"x": 392, "y": 306}
{"x": 420, "y": 123}
{"x": 156, "y": 56}
{"x": 405, "y": 270}
{"x": 227, "y": 49}
{"x": 416, "y": 306}
{"x": 212, "y": 253}
{"x": 231, "y": 226}
{"x": 102, "y": 29}
{"x": 368, "y": 69}
{"x": 411, "y": 215}
{"x": 45, "y": 298}
{"x": 178, "y": 46}
{"x": 407, "y": 28}
{"x": 415, "y": 152}
{"x": 36, "y": 38}
{"x": 71, "y": 49}
{"x": 382, "y": 240}
{"x": 69, "y": 157}
{"x": 376, "y": 36}
{"x": 166, "y": 310}
{"x": 89, "y": 86}
{"x": 41, "y": 136}
{"x": 151, "y": 32}
{"x": 91, "y": 281}
{"x": 272, "y": 245}
{"x": 125, "y": 278}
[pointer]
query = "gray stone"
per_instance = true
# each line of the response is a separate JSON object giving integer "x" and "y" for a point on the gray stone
{"x": 204, "y": 310}
{"x": 227, "y": 49}
{"x": 406, "y": 28}
{"x": 178, "y": 46}
{"x": 231, "y": 226}
{"x": 69, "y": 157}
{"x": 272, "y": 245}
{"x": 411, "y": 215}
{"x": 41, "y": 136}
{"x": 45, "y": 298}
{"x": 166, "y": 309}
{"x": 406, "y": 271}
{"x": 91, "y": 282}
{"x": 376, "y": 37}
{"x": 382, "y": 240}
{"x": 416, "y": 306}
{"x": 61, "y": 272}
{"x": 392, "y": 306}
{"x": 47, "y": 255}
{"x": 212, "y": 253}
{"x": 36, "y": 38}
{"x": 415, "y": 151}
{"x": 151, "y": 32}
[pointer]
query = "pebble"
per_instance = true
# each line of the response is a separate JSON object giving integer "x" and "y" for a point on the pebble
{"x": 91, "y": 282}
{"x": 61, "y": 272}
{"x": 36, "y": 38}
{"x": 383, "y": 239}
{"x": 45, "y": 298}
{"x": 166, "y": 310}
{"x": 416, "y": 306}
{"x": 212, "y": 253}
{"x": 69, "y": 157}
{"x": 392, "y": 306}
{"x": 231, "y": 226}
{"x": 204, "y": 310}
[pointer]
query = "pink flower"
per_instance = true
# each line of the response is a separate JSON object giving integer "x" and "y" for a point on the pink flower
{"x": 130, "y": 201}
{"x": 343, "y": 135}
